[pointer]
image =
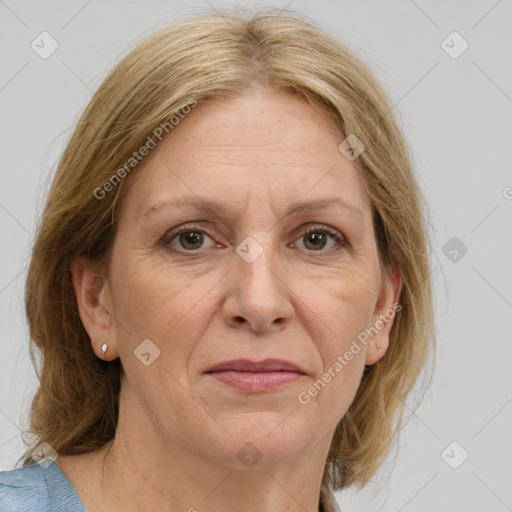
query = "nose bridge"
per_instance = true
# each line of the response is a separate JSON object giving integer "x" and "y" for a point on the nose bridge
{"x": 258, "y": 293}
{"x": 258, "y": 259}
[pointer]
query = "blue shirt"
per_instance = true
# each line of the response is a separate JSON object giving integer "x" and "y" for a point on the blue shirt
{"x": 38, "y": 489}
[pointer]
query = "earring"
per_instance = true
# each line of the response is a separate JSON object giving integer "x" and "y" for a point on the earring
{"x": 104, "y": 348}
{"x": 379, "y": 348}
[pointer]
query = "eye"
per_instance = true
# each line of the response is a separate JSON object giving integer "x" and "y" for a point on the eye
{"x": 317, "y": 238}
{"x": 189, "y": 238}
{"x": 192, "y": 238}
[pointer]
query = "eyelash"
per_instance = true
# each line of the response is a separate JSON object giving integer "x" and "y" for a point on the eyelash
{"x": 340, "y": 240}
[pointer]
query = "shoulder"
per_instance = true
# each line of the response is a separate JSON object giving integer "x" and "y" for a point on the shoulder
{"x": 23, "y": 489}
{"x": 38, "y": 489}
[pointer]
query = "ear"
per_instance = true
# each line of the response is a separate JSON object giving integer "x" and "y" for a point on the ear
{"x": 94, "y": 305}
{"x": 386, "y": 308}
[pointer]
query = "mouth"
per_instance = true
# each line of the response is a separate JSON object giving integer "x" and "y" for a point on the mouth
{"x": 253, "y": 376}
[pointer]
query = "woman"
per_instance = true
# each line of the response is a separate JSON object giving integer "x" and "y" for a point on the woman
{"x": 230, "y": 282}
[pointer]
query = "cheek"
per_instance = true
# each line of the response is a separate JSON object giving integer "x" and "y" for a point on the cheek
{"x": 331, "y": 392}
{"x": 340, "y": 308}
{"x": 329, "y": 397}
{"x": 338, "y": 312}
{"x": 161, "y": 304}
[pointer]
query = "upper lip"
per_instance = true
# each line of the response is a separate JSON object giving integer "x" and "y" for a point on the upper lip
{"x": 246, "y": 365}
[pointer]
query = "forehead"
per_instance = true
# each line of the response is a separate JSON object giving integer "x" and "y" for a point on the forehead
{"x": 269, "y": 146}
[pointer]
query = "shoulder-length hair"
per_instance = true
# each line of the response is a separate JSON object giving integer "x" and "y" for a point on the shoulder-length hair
{"x": 75, "y": 408}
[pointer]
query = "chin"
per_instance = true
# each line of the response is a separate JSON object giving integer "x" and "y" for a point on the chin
{"x": 263, "y": 439}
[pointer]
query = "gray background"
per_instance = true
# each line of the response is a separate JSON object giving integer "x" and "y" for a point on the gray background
{"x": 456, "y": 115}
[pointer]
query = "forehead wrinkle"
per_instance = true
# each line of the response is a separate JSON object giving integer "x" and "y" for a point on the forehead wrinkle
{"x": 218, "y": 209}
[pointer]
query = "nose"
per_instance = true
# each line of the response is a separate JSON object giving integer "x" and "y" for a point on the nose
{"x": 259, "y": 297}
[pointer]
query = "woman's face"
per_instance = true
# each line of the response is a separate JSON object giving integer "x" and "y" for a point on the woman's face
{"x": 244, "y": 281}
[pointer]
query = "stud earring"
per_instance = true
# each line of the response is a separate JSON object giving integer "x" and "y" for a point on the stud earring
{"x": 379, "y": 348}
{"x": 104, "y": 348}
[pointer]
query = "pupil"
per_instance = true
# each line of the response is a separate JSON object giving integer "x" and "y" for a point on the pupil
{"x": 318, "y": 238}
{"x": 192, "y": 238}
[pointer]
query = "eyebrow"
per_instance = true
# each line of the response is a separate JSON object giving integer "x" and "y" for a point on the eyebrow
{"x": 217, "y": 208}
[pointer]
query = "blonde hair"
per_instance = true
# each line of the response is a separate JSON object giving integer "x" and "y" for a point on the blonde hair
{"x": 75, "y": 408}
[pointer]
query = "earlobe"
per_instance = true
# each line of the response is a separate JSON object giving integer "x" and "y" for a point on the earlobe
{"x": 93, "y": 301}
{"x": 384, "y": 315}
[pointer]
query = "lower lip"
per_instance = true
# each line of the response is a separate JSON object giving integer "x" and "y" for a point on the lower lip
{"x": 256, "y": 381}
